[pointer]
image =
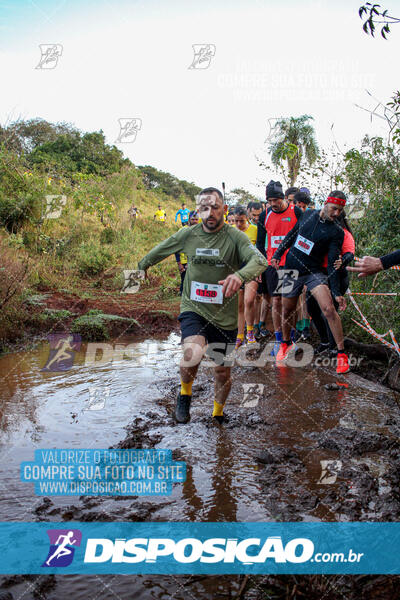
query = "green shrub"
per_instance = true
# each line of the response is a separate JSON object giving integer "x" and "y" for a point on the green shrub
{"x": 107, "y": 236}
{"x": 92, "y": 259}
{"x": 92, "y": 328}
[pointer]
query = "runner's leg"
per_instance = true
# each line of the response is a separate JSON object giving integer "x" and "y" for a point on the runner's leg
{"x": 288, "y": 310}
{"x": 323, "y": 296}
{"x": 250, "y": 292}
{"x": 240, "y": 335}
{"x": 222, "y": 388}
{"x": 193, "y": 352}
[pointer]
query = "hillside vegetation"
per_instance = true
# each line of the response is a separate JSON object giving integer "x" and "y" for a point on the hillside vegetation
{"x": 85, "y": 249}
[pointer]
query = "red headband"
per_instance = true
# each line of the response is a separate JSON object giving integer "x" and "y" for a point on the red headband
{"x": 333, "y": 200}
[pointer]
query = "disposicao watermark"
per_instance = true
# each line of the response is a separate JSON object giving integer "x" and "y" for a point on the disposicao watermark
{"x": 203, "y": 53}
{"x": 128, "y": 128}
{"x": 133, "y": 278}
{"x": 50, "y": 53}
{"x": 102, "y": 472}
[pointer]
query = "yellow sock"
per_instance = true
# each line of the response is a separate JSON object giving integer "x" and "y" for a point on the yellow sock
{"x": 186, "y": 388}
{"x": 218, "y": 409}
{"x": 250, "y": 327}
{"x": 240, "y": 336}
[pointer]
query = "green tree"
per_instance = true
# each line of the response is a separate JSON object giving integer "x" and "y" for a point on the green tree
{"x": 166, "y": 183}
{"x": 373, "y": 16}
{"x": 25, "y": 136}
{"x": 72, "y": 152}
{"x": 293, "y": 141}
{"x": 240, "y": 196}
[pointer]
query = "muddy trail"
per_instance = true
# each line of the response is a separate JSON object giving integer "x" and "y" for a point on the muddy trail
{"x": 298, "y": 445}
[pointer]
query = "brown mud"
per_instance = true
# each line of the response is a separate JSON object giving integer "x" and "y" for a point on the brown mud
{"x": 308, "y": 446}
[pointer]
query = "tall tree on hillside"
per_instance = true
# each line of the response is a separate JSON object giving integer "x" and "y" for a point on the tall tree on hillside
{"x": 293, "y": 141}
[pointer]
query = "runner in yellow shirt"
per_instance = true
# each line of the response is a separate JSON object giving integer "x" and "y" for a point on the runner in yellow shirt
{"x": 248, "y": 291}
{"x": 160, "y": 214}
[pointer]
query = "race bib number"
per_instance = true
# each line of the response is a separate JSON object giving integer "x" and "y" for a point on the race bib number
{"x": 207, "y": 251}
{"x": 303, "y": 244}
{"x": 206, "y": 292}
{"x": 276, "y": 240}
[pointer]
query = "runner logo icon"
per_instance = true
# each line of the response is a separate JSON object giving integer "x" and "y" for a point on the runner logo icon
{"x": 62, "y": 547}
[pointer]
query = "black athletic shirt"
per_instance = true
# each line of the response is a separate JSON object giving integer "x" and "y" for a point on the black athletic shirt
{"x": 390, "y": 260}
{"x": 310, "y": 240}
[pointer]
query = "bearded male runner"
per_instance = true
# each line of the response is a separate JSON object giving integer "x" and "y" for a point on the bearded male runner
{"x": 209, "y": 306}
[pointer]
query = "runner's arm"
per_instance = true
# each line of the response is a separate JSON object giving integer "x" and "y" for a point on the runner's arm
{"x": 255, "y": 262}
{"x": 286, "y": 243}
{"x": 169, "y": 246}
{"x": 178, "y": 257}
{"x": 176, "y": 216}
{"x": 334, "y": 249}
{"x": 347, "y": 258}
{"x": 390, "y": 260}
{"x": 261, "y": 233}
{"x": 298, "y": 212}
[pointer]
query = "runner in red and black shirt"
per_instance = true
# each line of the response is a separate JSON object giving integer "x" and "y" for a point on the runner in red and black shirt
{"x": 314, "y": 236}
{"x": 273, "y": 225}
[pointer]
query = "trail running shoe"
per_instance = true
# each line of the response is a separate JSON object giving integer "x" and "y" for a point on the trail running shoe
{"x": 257, "y": 332}
{"x": 305, "y": 334}
{"x": 322, "y": 348}
{"x": 250, "y": 337}
{"x": 182, "y": 408}
{"x": 282, "y": 353}
{"x": 295, "y": 335}
{"x": 265, "y": 333}
{"x": 239, "y": 342}
{"x": 219, "y": 419}
{"x": 342, "y": 363}
{"x": 285, "y": 351}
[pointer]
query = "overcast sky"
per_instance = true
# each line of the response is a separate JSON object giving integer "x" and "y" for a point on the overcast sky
{"x": 131, "y": 59}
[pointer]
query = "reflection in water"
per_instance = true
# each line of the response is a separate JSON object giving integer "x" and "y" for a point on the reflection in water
{"x": 37, "y": 408}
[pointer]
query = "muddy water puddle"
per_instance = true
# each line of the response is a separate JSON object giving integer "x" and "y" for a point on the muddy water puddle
{"x": 291, "y": 449}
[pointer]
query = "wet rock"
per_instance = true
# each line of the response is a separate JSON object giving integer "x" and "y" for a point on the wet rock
{"x": 138, "y": 435}
{"x": 332, "y": 386}
{"x": 353, "y": 442}
{"x": 279, "y": 455}
{"x": 43, "y": 506}
{"x": 90, "y": 502}
{"x": 70, "y": 513}
{"x": 15, "y": 580}
{"x": 6, "y": 596}
{"x": 43, "y": 586}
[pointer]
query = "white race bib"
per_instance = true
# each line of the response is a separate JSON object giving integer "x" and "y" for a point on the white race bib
{"x": 206, "y": 292}
{"x": 207, "y": 251}
{"x": 303, "y": 244}
{"x": 276, "y": 240}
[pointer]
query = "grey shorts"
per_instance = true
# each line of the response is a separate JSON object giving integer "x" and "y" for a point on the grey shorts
{"x": 310, "y": 281}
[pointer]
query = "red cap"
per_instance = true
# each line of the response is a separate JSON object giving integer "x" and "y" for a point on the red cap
{"x": 333, "y": 200}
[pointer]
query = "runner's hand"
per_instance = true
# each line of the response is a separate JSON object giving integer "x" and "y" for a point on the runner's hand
{"x": 181, "y": 267}
{"x": 230, "y": 285}
{"x": 367, "y": 265}
{"x": 341, "y": 301}
{"x": 274, "y": 263}
{"x": 337, "y": 264}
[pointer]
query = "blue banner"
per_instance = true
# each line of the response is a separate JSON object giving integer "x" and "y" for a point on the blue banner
{"x": 194, "y": 548}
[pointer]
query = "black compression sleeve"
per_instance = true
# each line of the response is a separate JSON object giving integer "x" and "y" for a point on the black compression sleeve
{"x": 347, "y": 258}
{"x": 261, "y": 233}
{"x": 390, "y": 260}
